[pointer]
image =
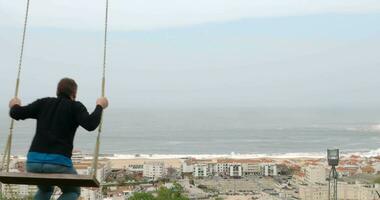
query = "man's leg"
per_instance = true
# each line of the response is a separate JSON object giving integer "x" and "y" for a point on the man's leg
{"x": 68, "y": 192}
{"x": 44, "y": 192}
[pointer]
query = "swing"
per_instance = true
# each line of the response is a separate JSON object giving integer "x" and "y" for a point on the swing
{"x": 44, "y": 178}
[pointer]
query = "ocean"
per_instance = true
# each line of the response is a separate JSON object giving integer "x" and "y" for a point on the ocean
{"x": 222, "y": 131}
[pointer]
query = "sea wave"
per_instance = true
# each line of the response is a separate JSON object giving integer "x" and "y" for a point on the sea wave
{"x": 372, "y": 153}
{"x": 232, "y": 155}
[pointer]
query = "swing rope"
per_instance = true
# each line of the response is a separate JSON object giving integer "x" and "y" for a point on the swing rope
{"x": 8, "y": 146}
{"x": 97, "y": 144}
{"x": 7, "y": 151}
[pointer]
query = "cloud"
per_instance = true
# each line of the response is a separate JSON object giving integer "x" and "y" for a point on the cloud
{"x": 129, "y": 15}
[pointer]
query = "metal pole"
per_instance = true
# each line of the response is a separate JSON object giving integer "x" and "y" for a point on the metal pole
{"x": 329, "y": 191}
{"x": 335, "y": 183}
{"x": 333, "y": 161}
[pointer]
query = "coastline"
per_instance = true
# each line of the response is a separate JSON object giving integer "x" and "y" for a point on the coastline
{"x": 367, "y": 154}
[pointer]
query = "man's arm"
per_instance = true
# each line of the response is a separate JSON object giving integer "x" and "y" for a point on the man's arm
{"x": 89, "y": 121}
{"x": 18, "y": 112}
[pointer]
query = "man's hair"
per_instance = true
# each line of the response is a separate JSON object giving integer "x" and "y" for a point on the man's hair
{"x": 67, "y": 87}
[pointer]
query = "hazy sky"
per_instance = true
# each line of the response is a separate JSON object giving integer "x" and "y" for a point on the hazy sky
{"x": 190, "y": 53}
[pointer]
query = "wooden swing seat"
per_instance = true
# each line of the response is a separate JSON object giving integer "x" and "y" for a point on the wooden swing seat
{"x": 48, "y": 179}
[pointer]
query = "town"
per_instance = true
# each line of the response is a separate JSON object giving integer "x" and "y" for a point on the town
{"x": 219, "y": 177}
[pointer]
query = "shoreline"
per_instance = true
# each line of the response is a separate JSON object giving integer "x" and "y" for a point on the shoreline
{"x": 343, "y": 152}
{"x": 367, "y": 154}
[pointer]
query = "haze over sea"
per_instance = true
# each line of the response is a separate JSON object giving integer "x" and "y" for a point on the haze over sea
{"x": 222, "y": 131}
{"x": 239, "y": 77}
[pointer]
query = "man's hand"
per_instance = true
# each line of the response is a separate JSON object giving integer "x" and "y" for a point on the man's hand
{"x": 103, "y": 102}
{"x": 14, "y": 101}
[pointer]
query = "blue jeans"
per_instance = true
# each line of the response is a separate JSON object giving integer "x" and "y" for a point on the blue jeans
{"x": 44, "y": 192}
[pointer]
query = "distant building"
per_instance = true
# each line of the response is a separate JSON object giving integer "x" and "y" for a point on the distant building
{"x": 17, "y": 191}
{"x": 376, "y": 166}
{"x": 312, "y": 192}
{"x": 77, "y": 157}
{"x": 136, "y": 168}
{"x": 269, "y": 169}
{"x": 187, "y": 166}
{"x": 153, "y": 170}
{"x": 89, "y": 194}
{"x": 235, "y": 170}
{"x": 84, "y": 168}
{"x": 229, "y": 167}
{"x": 345, "y": 191}
{"x": 251, "y": 169}
{"x": 347, "y": 170}
{"x": 201, "y": 170}
{"x": 222, "y": 168}
{"x": 315, "y": 174}
{"x": 368, "y": 170}
{"x": 211, "y": 169}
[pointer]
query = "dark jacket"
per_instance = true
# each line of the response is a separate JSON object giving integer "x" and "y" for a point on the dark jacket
{"x": 57, "y": 122}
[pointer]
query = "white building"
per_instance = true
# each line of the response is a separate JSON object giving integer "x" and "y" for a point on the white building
{"x": 235, "y": 170}
{"x": 315, "y": 174}
{"x": 251, "y": 169}
{"x": 222, "y": 168}
{"x": 77, "y": 157}
{"x": 84, "y": 168}
{"x": 136, "y": 168}
{"x": 346, "y": 191}
{"x": 187, "y": 166}
{"x": 269, "y": 169}
{"x": 376, "y": 166}
{"x": 313, "y": 192}
{"x": 153, "y": 170}
{"x": 18, "y": 191}
{"x": 211, "y": 169}
{"x": 201, "y": 170}
{"x": 90, "y": 194}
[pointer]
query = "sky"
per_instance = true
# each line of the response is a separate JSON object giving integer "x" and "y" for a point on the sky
{"x": 197, "y": 53}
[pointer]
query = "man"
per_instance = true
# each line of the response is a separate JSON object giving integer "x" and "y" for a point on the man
{"x": 57, "y": 121}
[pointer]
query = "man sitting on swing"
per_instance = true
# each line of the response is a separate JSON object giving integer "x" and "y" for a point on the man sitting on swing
{"x": 57, "y": 121}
